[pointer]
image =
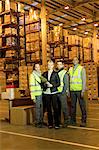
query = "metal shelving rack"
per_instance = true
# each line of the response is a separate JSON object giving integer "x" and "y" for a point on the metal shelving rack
{"x": 32, "y": 50}
{"x": 10, "y": 48}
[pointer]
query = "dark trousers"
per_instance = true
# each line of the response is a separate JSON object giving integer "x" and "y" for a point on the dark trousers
{"x": 52, "y": 109}
{"x": 74, "y": 96}
{"x": 44, "y": 103}
{"x": 62, "y": 101}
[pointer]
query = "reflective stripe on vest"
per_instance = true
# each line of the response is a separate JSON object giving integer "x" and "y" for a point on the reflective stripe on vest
{"x": 75, "y": 79}
{"x": 61, "y": 76}
{"x": 34, "y": 84}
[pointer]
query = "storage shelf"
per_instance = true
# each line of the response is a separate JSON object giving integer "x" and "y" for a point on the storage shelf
{"x": 8, "y": 35}
{"x": 10, "y": 47}
{"x": 33, "y": 41}
{"x": 57, "y": 42}
{"x": 11, "y": 70}
{"x": 11, "y": 81}
{"x": 13, "y": 59}
{"x": 60, "y": 57}
{"x": 30, "y": 52}
{"x": 32, "y": 32}
{"x": 9, "y": 24}
{"x": 31, "y": 23}
{"x": 36, "y": 60}
{"x": 8, "y": 12}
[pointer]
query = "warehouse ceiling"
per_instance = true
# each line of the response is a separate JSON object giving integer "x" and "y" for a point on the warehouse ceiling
{"x": 78, "y": 16}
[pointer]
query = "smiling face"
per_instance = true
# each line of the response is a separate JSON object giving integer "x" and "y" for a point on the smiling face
{"x": 37, "y": 67}
{"x": 75, "y": 61}
{"x": 50, "y": 65}
{"x": 60, "y": 65}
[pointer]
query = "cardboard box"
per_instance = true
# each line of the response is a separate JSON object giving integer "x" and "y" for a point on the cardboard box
{"x": 4, "y": 95}
{"x": 13, "y": 93}
{"x": 22, "y": 115}
{"x": 7, "y": 5}
{"x": 0, "y": 6}
{"x": 6, "y": 19}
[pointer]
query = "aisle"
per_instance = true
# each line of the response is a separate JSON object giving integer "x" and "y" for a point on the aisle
{"x": 72, "y": 138}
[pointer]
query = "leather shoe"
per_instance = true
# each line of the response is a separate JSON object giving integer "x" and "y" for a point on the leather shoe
{"x": 83, "y": 124}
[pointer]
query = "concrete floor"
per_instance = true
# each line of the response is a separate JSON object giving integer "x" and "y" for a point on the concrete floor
{"x": 72, "y": 138}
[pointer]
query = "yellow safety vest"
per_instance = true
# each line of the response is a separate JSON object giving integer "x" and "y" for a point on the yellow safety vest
{"x": 75, "y": 78}
{"x": 61, "y": 76}
{"x": 34, "y": 85}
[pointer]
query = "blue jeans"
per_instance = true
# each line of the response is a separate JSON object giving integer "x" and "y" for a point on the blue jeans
{"x": 39, "y": 109}
{"x": 74, "y": 96}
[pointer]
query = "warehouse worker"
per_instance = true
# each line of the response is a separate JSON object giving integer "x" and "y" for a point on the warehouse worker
{"x": 50, "y": 95}
{"x": 63, "y": 90}
{"x": 77, "y": 89}
{"x": 36, "y": 94}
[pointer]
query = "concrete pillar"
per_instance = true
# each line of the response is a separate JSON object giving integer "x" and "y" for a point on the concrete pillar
{"x": 95, "y": 46}
{"x": 43, "y": 34}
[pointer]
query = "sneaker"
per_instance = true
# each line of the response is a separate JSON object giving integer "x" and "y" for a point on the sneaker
{"x": 65, "y": 125}
{"x": 73, "y": 123}
{"x": 38, "y": 125}
{"x": 56, "y": 127}
{"x": 83, "y": 124}
{"x": 50, "y": 127}
{"x": 45, "y": 123}
{"x": 60, "y": 125}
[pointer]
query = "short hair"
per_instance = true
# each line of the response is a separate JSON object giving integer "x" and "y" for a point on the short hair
{"x": 51, "y": 60}
{"x": 60, "y": 61}
{"x": 76, "y": 57}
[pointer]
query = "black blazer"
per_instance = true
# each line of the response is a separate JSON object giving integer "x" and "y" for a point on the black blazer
{"x": 54, "y": 80}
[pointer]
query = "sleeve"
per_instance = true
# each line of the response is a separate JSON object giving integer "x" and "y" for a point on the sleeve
{"x": 32, "y": 86}
{"x": 84, "y": 79}
{"x": 69, "y": 71}
{"x": 66, "y": 83}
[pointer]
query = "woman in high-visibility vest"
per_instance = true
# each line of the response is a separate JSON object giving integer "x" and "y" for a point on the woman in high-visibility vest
{"x": 77, "y": 88}
{"x": 36, "y": 94}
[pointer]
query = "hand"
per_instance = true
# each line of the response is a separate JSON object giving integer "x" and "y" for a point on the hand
{"x": 68, "y": 94}
{"x": 82, "y": 94}
{"x": 49, "y": 84}
{"x": 34, "y": 102}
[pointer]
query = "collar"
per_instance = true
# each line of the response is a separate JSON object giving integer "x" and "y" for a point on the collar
{"x": 61, "y": 69}
{"x": 37, "y": 73}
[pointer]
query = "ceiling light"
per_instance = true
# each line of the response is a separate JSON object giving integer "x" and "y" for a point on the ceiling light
{"x": 75, "y": 24}
{"x": 61, "y": 24}
{"x": 86, "y": 32}
{"x": 83, "y": 19}
{"x": 82, "y": 22}
{"x": 74, "y": 29}
{"x": 66, "y": 7}
{"x": 34, "y": 4}
{"x": 95, "y": 24}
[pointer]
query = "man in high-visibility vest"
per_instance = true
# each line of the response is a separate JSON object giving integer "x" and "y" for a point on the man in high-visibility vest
{"x": 77, "y": 89}
{"x": 63, "y": 90}
{"x": 36, "y": 94}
